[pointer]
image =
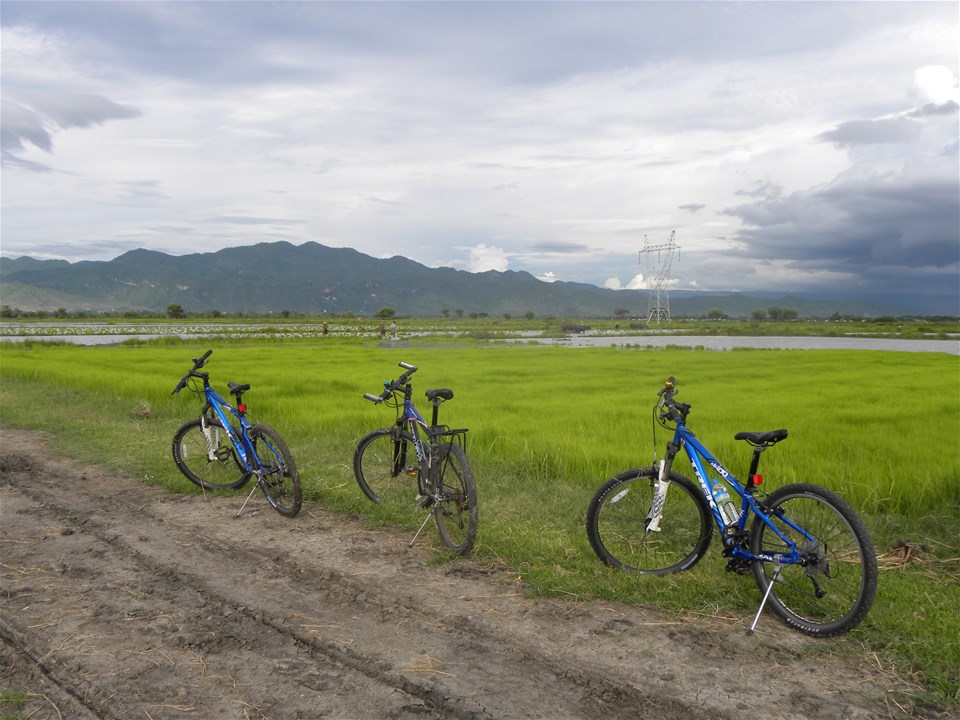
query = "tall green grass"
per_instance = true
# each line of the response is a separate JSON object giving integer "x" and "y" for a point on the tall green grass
{"x": 547, "y": 426}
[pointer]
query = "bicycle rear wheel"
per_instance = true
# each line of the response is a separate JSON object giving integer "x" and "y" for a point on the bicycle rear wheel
{"x": 214, "y": 467}
{"x": 281, "y": 479}
{"x": 455, "y": 511}
{"x": 618, "y": 523}
{"x": 832, "y": 592}
{"x": 385, "y": 467}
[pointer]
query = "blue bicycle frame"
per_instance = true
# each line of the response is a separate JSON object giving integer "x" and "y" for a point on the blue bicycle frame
{"x": 241, "y": 444}
{"x": 700, "y": 458}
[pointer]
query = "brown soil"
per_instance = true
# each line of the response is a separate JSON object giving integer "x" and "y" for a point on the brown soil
{"x": 121, "y": 601}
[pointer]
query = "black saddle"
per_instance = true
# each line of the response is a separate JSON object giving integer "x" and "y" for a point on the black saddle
{"x": 237, "y": 389}
{"x": 762, "y": 439}
{"x": 442, "y": 393}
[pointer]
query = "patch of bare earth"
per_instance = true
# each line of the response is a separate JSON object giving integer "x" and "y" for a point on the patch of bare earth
{"x": 121, "y": 601}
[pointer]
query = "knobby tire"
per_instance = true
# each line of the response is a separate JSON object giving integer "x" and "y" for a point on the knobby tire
{"x": 842, "y": 567}
{"x": 281, "y": 480}
{"x": 191, "y": 456}
{"x": 617, "y": 521}
{"x": 385, "y": 466}
{"x": 455, "y": 511}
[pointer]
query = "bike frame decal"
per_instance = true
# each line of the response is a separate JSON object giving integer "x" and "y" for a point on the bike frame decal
{"x": 698, "y": 456}
{"x": 244, "y": 448}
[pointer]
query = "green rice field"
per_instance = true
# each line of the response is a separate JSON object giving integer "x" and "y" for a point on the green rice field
{"x": 547, "y": 426}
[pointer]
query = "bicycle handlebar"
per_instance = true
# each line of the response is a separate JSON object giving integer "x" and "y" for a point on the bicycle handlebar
{"x": 197, "y": 364}
{"x": 392, "y": 386}
{"x": 671, "y": 410}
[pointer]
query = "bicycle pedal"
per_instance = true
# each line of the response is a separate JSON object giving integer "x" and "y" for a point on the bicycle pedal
{"x": 739, "y": 566}
{"x": 424, "y": 501}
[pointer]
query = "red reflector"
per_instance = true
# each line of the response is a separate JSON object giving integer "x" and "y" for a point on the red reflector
{"x": 241, "y": 407}
{"x": 758, "y": 479}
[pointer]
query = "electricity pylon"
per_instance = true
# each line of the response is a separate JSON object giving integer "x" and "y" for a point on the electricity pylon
{"x": 658, "y": 274}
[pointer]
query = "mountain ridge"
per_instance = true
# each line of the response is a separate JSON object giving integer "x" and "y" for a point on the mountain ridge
{"x": 314, "y": 278}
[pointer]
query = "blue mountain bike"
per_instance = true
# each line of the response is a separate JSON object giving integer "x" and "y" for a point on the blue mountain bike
{"x": 809, "y": 552}
{"x": 222, "y": 449}
{"x": 388, "y": 461}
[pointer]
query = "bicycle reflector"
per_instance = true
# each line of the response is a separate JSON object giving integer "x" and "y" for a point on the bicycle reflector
{"x": 242, "y": 407}
{"x": 757, "y": 479}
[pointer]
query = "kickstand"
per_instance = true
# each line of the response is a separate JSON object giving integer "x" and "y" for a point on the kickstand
{"x": 425, "y": 521}
{"x": 255, "y": 486}
{"x": 776, "y": 574}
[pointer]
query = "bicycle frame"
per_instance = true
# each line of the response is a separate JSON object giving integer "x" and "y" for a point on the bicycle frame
{"x": 700, "y": 458}
{"x": 414, "y": 420}
{"x": 241, "y": 444}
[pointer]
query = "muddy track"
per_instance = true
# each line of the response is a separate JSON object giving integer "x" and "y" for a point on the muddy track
{"x": 120, "y": 601}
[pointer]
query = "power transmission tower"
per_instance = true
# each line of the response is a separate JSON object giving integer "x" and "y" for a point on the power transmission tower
{"x": 658, "y": 274}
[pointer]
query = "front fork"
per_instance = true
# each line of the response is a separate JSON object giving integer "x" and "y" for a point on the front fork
{"x": 660, "y": 487}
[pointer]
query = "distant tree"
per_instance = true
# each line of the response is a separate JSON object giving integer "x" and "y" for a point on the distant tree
{"x": 285, "y": 313}
{"x": 60, "y": 312}
{"x": 528, "y": 315}
{"x": 621, "y": 313}
{"x": 445, "y": 312}
{"x": 779, "y": 313}
{"x": 507, "y": 316}
{"x": 175, "y": 311}
{"x": 758, "y": 314}
{"x": 716, "y": 314}
{"x": 458, "y": 312}
{"x": 6, "y": 311}
{"x": 385, "y": 313}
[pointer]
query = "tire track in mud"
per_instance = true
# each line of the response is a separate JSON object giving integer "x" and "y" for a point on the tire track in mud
{"x": 568, "y": 687}
{"x": 118, "y": 598}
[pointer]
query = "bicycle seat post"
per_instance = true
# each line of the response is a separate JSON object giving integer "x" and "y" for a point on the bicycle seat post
{"x": 754, "y": 466}
{"x": 436, "y": 411}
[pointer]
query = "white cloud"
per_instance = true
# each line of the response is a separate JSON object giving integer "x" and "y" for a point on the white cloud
{"x": 612, "y": 283}
{"x": 638, "y": 282}
{"x": 935, "y": 84}
{"x": 485, "y": 257}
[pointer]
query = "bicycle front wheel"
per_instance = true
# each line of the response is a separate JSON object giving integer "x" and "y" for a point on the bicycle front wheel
{"x": 623, "y": 533}
{"x": 207, "y": 457}
{"x": 281, "y": 479}
{"x": 832, "y": 591}
{"x": 385, "y": 467}
{"x": 455, "y": 511}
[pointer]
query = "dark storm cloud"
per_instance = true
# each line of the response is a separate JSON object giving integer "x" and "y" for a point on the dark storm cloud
{"x": 898, "y": 129}
{"x": 874, "y": 228}
{"x": 871, "y": 132}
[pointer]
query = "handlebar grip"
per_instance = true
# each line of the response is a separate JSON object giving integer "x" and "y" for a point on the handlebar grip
{"x": 180, "y": 386}
{"x": 373, "y": 398}
{"x": 408, "y": 366}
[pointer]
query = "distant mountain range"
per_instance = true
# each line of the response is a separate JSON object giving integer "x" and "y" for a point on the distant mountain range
{"x": 312, "y": 278}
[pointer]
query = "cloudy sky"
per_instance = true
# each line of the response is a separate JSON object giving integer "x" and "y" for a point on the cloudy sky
{"x": 790, "y": 145}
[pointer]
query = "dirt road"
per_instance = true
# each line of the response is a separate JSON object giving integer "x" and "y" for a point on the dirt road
{"x": 121, "y": 601}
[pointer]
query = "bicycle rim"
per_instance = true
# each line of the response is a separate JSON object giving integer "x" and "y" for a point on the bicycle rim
{"x": 193, "y": 457}
{"x": 386, "y": 468}
{"x": 617, "y": 524}
{"x": 281, "y": 479}
{"x": 834, "y": 591}
{"x": 456, "y": 511}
